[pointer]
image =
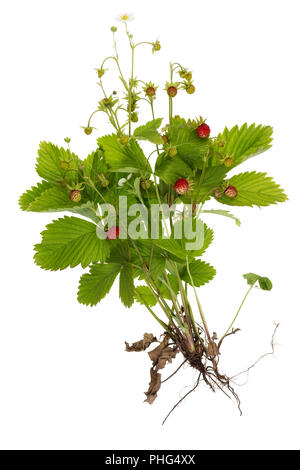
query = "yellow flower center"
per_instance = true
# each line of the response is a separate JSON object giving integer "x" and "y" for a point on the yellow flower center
{"x": 124, "y": 17}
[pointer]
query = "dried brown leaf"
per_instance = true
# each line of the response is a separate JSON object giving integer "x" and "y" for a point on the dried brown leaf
{"x": 143, "y": 344}
{"x": 154, "y": 386}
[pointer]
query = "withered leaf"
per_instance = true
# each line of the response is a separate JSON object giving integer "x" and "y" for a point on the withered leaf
{"x": 154, "y": 386}
{"x": 212, "y": 349}
{"x": 162, "y": 354}
{"x": 142, "y": 344}
{"x": 159, "y": 356}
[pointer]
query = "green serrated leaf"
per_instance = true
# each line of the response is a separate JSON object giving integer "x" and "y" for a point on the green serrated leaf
{"x": 126, "y": 290}
{"x": 33, "y": 193}
{"x": 49, "y": 159}
{"x": 169, "y": 169}
{"x": 190, "y": 148}
{"x": 94, "y": 286}
{"x": 254, "y": 189}
{"x": 201, "y": 273}
{"x": 144, "y": 296}
{"x": 244, "y": 142}
{"x": 70, "y": 241}
{"x": 126, "y": 158}
{"x": 149, "y": 132}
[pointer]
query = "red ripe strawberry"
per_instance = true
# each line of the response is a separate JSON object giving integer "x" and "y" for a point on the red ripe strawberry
{"x": 203, "y": 131}
{"x": 113, "y": 233}
{"x": 75, "y": 195}
{"x": 181, "y": 186}
{"x": 231, "y": 192}
{"x": 172, "y": 91}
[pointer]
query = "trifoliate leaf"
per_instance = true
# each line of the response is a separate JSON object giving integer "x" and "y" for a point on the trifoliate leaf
{"x": 254, "y": 189}
{"x": 149, "y": 132}
{"x": 33, "y": 193}
{"x": 127, "y": 158}
{"x": 126, "y": 288}
{"x": 244, "y": 142}
{"x": 94, "y": 286}
{"x": 144, "y": 296}
{"x": 68, "y": 242}
{"x": 49, "y": 163}
{"x": 264, "y": 282}
{"x": 201, "y": 273}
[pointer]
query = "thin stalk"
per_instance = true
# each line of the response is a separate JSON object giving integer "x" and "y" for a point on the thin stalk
{"x": 240, "y": 307}
{"x": 197, "y": 300}
{"x": 117, "y": 61}
{"x": 162, "y": 323}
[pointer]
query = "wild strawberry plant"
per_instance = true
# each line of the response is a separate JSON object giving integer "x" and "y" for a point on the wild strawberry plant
{"x": 157, "y": 255}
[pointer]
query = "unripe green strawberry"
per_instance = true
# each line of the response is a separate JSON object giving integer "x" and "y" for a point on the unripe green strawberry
{"x": 165, "y": 139}
{"x": 145, "y": 184}
{"x": 64, "y": 165}
{"x": 103, "y": 181}
{"x": 218, "y": 193}
{"x": 124, "y": 139}
{"x": 188, "y": 76}
{"x": 172, "y": 152}
{"x": 190, "y": 89}
{"x": 88, "y": 130}
{"x": 134, "y": 117}
{"x": 172, "y": 91}
{"x": 156, "y": 46}
{"x": 231, "y": 192}
{"x": 228, "y": 161}
{"x": 75, "y": 195}
{"x": 100, "y": 73}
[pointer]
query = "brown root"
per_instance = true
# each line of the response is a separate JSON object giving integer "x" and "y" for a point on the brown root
{"x": 204, "y": 358}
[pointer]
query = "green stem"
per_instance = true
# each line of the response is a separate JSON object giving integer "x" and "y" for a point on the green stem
{"x": 89, "y": 121}
{"x": 197, "y": 300}
{"x": 240, "y": 307}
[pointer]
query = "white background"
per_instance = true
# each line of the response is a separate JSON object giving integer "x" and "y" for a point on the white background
{"x": 65, "y": 380}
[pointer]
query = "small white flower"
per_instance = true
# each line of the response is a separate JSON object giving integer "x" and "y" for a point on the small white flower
{"x": 125, "y": 17}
